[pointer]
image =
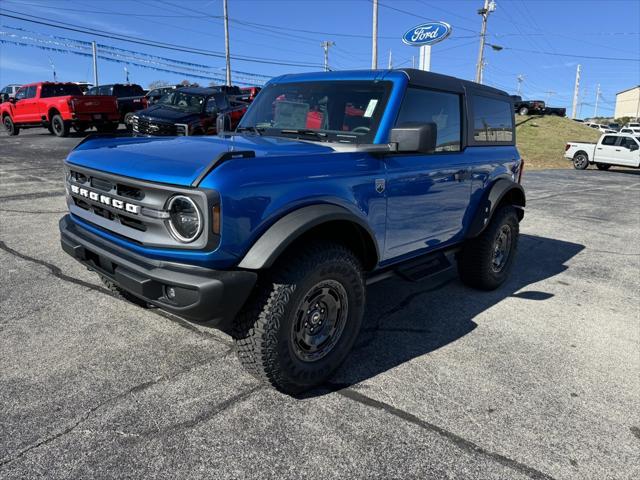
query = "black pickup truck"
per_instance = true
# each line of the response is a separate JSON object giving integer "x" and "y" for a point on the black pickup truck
{"x": 131, "y": 98}
{"x": 527, "y": 107}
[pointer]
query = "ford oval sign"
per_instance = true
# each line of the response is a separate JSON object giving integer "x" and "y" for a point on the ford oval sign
{"x": 427, "y": 34}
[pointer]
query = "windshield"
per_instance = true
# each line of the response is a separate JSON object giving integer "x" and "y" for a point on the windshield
{"x": 343, "y": 111}
{"x": 187, "y": 102}
{"x": 60, "y": 90}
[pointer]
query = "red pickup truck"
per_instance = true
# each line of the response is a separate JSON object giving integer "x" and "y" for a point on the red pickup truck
{"x": 58, "y": 106}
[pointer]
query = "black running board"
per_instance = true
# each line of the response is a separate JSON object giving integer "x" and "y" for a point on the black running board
{"x": 417, "y": 269}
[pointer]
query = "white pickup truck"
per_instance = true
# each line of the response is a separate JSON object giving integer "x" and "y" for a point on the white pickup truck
{"x": 611, "y": 149}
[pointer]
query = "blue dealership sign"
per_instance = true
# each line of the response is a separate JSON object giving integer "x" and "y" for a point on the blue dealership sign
{"x": 427, "y": 34}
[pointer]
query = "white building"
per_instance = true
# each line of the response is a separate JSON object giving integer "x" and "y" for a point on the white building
{"x": 628, "y": 103}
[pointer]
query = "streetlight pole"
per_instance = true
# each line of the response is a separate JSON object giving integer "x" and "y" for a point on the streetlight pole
{"x": 576, "y": 90}
{"x": 520, "y": 79}
{"x": 489, "y": 6}
{"x": 374, "y": 37}
{"x": 226, "y": 42}
{"x": 95, "y": 63}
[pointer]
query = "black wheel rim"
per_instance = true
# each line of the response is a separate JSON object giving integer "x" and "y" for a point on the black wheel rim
{"x": 7, "y": 124}
{"x": 319, "y": 321}
{"x": 501, "y": 249}
{"x": 57, "y": 125}
{"x": 579, "y": 161}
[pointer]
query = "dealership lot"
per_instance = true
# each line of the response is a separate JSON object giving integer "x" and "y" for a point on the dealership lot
{"x": 538, "y": 379}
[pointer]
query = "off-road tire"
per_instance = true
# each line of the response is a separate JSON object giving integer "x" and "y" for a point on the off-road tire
{"x": 123, "y": 294}
{"x": 523, "y": 111}
{"x": 81, "y": 127}
{"x": 580, "y": 161}
{"x": 603, "y": 166}
{"x": 475, "y": 260}
{"x": 264, "y": 329}
{"x": 10, "y": 127}
{"x": 59, "y": 127}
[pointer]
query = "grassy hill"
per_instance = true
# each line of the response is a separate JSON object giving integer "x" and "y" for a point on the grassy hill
{"x": 541, "y": 140}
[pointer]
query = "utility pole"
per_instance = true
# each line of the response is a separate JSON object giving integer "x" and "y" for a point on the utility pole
{"x": 325, "y": 46}
{"x": 519, "y": 79}
{"x": 126, "y": 74}
{"x": 595, "y": 109}
{"x": 226, "y": 42}
{"x": 95, "y": 64}
{"x": 390, "y": 64}
{"x": 374, "y": 37}
{"x": 53, "y": 67}
{"x": 489, "y": 6}
{"x": 576, "y": 90}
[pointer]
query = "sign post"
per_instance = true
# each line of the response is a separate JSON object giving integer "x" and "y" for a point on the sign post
{"x": 424, "y": 36}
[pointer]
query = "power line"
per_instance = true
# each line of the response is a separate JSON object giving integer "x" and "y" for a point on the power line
{"x": 150, "y": 43}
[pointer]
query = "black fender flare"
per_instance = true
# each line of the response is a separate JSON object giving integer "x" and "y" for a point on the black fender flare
{"x": 286, "y": 230}
{"x": 491, "y": 199}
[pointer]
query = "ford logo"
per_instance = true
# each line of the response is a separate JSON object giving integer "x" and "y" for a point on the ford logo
{"x": 427, "y": 33}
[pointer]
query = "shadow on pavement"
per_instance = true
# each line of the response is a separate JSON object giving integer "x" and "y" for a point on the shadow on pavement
{"x": 401, "y": 326}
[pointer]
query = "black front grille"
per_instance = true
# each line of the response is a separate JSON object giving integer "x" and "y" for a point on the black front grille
{"x": 147, "y": 127}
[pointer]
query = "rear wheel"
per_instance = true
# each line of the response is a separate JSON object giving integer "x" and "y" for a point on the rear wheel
{"x": 485, "y": 261}
{"x": 603, "y": 166}
{"x": 303, "y": 318}
{"x": 59, "y": 126}
{"x": 10, "y": 127}
{"x": 128, "y": 120}
{"x": 523, "y": 111}
{"x": 580, "y": 161}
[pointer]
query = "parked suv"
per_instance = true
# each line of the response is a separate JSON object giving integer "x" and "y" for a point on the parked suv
{"x": 8, "y": 92}
{"x": 58, "y": 106}
{"x": 131, "y": 98}
{"x": 188, "y": 111}
{"x": 332, "y": 181}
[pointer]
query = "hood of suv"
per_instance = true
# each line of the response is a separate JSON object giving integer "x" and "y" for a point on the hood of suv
{"x": 177, "y": 160}
{"x": 161, "y": 113}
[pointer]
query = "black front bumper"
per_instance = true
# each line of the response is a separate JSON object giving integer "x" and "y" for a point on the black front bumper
{"x": 212, "y": 297}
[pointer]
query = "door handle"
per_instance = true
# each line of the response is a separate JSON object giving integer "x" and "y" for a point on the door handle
{"x": 618, "y": 150}
{"x": 599, "y": 148}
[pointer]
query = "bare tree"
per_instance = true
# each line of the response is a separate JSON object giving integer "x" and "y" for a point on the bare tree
{"x": 158, "y": 84}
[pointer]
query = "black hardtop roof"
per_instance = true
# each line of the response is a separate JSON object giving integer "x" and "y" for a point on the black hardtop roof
{"x": 199, "y": 90}
{"x": 421, "y": 78}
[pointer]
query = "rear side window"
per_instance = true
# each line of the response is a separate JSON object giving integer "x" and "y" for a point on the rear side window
{"x": 609, "y": 140}
{"x": 492, "y": 120}
{"x": 128, "y": 91}
{"x": 442, "y": 109}
{"x": 59, "y": 90}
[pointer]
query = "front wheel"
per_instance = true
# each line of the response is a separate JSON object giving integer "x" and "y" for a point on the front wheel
{"x": 10, "y": 127}
{"x": 603, "y": 166}
{"x": 485, "y": 261}
{"x": 303, "y": 318}
{"x": 580, "y": 161}
{"x": 128, "y": 120}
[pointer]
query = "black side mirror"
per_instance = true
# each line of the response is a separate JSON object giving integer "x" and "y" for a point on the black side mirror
{"x": 415, "y": 137}
{"x": 223, "y": 123}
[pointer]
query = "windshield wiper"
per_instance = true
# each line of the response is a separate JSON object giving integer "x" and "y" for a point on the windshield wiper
{"x": 304, "y": 131}
{"x": 251, "y": 128}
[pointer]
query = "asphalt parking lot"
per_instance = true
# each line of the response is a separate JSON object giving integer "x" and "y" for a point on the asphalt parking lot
{"x": 539, "y": 379}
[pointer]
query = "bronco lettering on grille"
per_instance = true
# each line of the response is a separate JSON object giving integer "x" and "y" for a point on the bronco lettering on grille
{"x": 104, "y": 199}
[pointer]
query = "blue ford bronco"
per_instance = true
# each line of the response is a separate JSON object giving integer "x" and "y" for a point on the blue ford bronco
{"x": 271, "y": 233}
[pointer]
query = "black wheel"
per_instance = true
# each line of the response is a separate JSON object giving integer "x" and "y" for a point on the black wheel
{"x": 10, "y": 127}
{"x": 580, "y": 161}
{"x": 603, "y": 166}
{"x": 123, "y": 294}
{"x": 303, "y": 318}
{"x": 107, "y": 127}
{"x": 80, "y": 127}
{"x": 128, "y": 120}
{"x": 59, "y": 126}
{"x": 485, "y": 261}
{"x": 523, "y": 111}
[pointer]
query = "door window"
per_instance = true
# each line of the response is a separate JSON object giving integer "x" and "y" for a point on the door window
{"x": 441, "y": 109}
{"x": 31, "y": 91}
{"x": 627, "y": 142}
{"x": 609, "y": 140}
{"x": 22, "y": 93}
{"x": 492, "y": 120}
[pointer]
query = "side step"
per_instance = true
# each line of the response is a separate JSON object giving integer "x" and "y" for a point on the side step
{"x": 417, "y": 269}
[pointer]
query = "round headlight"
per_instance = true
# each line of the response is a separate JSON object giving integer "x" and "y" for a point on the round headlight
{"x": 185, "y": 221}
